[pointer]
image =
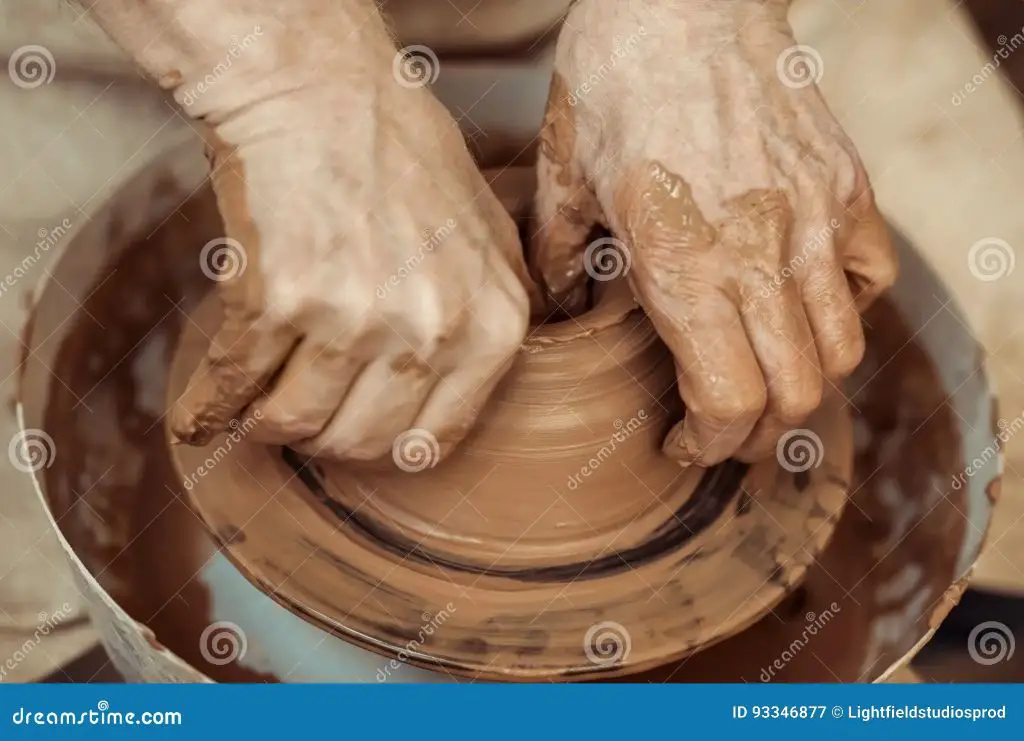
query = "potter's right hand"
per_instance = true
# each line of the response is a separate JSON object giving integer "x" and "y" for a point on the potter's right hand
{"x": 372, "y": 283}
{"x": 744, "y": 218}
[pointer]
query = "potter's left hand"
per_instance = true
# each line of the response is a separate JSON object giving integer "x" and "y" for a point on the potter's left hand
{"x": 747, "y": 223}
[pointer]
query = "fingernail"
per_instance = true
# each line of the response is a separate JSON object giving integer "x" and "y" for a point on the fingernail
{"x": 675, "y": 446}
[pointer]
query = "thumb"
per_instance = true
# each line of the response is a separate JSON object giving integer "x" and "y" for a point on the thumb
{"x": 566, "y": 208}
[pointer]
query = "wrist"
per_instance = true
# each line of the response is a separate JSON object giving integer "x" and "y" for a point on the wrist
{"x": 220, "y": 57}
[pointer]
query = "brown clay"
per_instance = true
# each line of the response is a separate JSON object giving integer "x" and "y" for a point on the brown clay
{"x": 115, "y": 494}
{"x": 559, "y": 514}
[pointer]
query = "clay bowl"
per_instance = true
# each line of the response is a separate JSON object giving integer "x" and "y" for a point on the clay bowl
{"x": 558, "y": 541}
{"x": 170, "y": 605}
{"x": 486, "y": 28}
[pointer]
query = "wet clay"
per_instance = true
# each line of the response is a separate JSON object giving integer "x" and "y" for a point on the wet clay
{"x": 889, "y": 575}
{"x": 558, "y": 514}
{"x": 109, "y": 493}
{"x": 119, "y": 502}
{"x": 116, "y": 500}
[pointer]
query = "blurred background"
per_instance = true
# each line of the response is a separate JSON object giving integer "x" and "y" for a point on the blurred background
{"x": 930, "y": 91}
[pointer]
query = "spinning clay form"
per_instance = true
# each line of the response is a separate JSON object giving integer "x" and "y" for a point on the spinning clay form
{"x": 557, "y": 541}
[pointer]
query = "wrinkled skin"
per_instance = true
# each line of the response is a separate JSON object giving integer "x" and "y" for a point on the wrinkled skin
{"x": 747, "y": 218}
{"x": 332, "y": 178}
{"x": 373, "y": 283}
{"x": 385, "y": 285}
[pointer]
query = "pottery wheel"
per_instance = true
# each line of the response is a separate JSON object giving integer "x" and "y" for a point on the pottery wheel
{"x": 557, "y": 541}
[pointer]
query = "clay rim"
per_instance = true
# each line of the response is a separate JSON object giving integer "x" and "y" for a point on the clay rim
{"x": 770, "y": 595}
{"x": 719, "y": 486}
{"x": 29, "y": 407}
{"x": 774, "y": 577}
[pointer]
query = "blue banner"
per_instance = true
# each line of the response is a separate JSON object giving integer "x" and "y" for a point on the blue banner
{"x": 486, "y": 711}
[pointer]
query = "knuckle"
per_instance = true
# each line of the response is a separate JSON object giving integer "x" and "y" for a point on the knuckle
{"x": 725, "y": 410}
{"x": 366, "y": 450}
{"x": 326, "y": 445}
{"x": 451, "y": 435}
{"x": 287, "y": 423}
{"x": 849, "y": 178}
{"x": 508, "y": 327}
{"x": 285, "y": 298}
{"x": 357, "y": 301}
{"x": 440, "y": 316}
{"x": 844, "y": 357}
{"x": 884, "y": 271}
{"x": 799, "y": 401}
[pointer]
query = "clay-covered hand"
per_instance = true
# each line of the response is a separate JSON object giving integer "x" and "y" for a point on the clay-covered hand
{"x": 693, "y": 130}
{"x": 372, "y": 283}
